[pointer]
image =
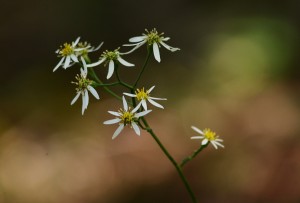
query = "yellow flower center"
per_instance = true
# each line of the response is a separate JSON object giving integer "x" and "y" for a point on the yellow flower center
{"x": 141, "y": 94}
{"x": 153, "y": 36}
{"x": 111, "y": 55}
{"x": 82, "y": 83}
{"x": 66, "y": 50}
{"x": 126, "y": 116}
{"x": 210, "y": 135}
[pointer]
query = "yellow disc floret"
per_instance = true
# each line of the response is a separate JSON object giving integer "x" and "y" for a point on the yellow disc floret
{"x": 66, "y": 49}
{"x": 141, "y": 94}
{"x": 153, "y": 36}
{"x": 126, "y": 116}
{"x": 82, "y": 83}
{"x": 210, "y": 135}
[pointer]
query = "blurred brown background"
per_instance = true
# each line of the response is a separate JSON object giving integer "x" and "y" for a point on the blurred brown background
{"x": 237, "y": 73}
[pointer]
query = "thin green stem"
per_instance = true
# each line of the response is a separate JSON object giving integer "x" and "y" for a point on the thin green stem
{"x": 119, "y": 79}
{"x": 189, "y": 158}
{"x": 178, "y": 168}
{"x": 143, "y": 68}
{"x": 93, "y": 74}
{"x": 102, "y": 84}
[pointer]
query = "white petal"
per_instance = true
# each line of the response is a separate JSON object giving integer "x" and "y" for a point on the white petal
{"x": 75, "y": 98}
{"x": 137, "y": 39}
{"x": 84, "y": 65}
{"x": 197, "y": 137}
{"x": 131, "y": 45}
{"x": 86, "y": 97}
{"x": 138, "y": 45}
{"x": 93, "y": 91}
{"x": 59, "y": 63}
{"x": 125, "y": 63}
{"x": 136, "y": 128}
{"x": 204, "y": 142}
{"x": 130, "y": 95}
{"x": 96, "y": 63}
{"x": 197, "y": 130}
{"x": 169, "y": 47}
{"x": 144, "y": 104}
{"x": 214, "y": 144}
{"x": 83, "y": 73}
{"x": 143, "y": 113}
{"x": 74, "y": 58}
{"x": 112, "y": 121}
{"x": 156, "y": 51}
{"x": 156, "y": 98}
{"x": 114, "y": 113}
{"x": 217, "y": 143}
{"x": 76, "y": 41}
{"x": 125, "y": 105}
{"x": 111, "y": 68}
{"x": 83, "y": 104}
{"x": 117, "y": 132}
{"x": 98, "y": 47}
{"x": 219, "y": 140}
{"x": 67, "y": 62}
{"x": 136, "y": 108}
{"x": 165, "y": 39}
{"x": 151, "y": 88}
{"x": 155, "y": 103}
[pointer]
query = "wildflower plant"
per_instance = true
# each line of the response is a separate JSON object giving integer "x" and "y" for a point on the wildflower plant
{"x": 135, "y": 99}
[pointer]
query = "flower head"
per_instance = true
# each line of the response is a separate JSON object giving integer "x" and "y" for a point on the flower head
{"x": 152, "y": 38}
{"x": 126, "y": 116}
{"x": 208, "y": 136}
{"x": 144, "y": 96}
{"x": 83, "y": 86}
{"x": 87, "y": 48}
{"x": 68, "y": 54}
{"x": 110, "y": 57}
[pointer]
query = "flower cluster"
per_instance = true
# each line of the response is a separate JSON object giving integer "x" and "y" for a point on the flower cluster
{"x": 140, "y": 99}
{"x": 78, "y": 53}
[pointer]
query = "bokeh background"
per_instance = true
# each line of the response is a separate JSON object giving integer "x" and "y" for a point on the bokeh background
{"x": 237, "y": 73}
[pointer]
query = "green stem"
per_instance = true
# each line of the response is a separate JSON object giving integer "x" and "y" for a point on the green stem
{"x": 178, "y": 168}
{"x": 93, "y": 74}
{"x": 189, "y": 158}
{"x": 103, "y": 85}
{"x": 119, "y": 79}
{"x": 143, "y": 68}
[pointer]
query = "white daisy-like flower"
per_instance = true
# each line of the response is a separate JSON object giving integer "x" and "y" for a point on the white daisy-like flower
{"x": 144, "y": 96}
{"x": 68, "y": 54}
{"x": 153, "y": 39}
{"x": 208, "y": 136}
{"x": 126, "y": 116}
{"x": 111, "y": 57}
{"x": 84, "y": 86}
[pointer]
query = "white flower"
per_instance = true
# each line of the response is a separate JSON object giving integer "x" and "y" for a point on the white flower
{"x": 87, "y": 48}
{"x": 208, "y": 136}
{"x": 125, "y": 117}
{"x": 111, "y": 57}
{"x": 84, "y": 85}
{"x": 144, "y": 96}
{"x": 68, "y": 54}
{"x": 153, "y": 39}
